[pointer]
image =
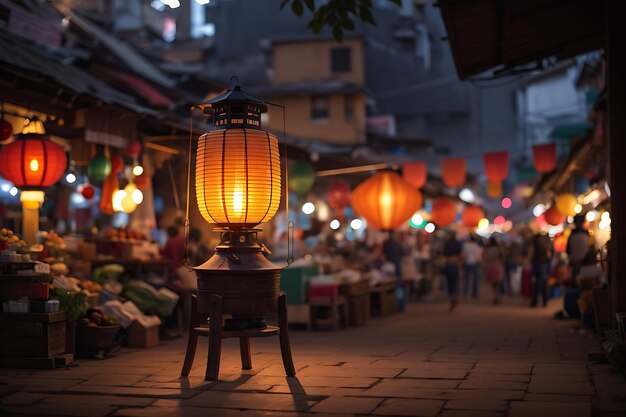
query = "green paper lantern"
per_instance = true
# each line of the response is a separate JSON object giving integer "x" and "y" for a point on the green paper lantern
{"x": 99, "y": 168}
{"x": 301, "y": 178}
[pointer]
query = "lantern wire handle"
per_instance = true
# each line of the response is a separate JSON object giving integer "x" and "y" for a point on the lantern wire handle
{"x": 186, "y": 244}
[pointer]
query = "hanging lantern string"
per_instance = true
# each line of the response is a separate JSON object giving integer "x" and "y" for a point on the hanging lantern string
{"x": 186, "y": 244}
{"x": 290, "y": 224}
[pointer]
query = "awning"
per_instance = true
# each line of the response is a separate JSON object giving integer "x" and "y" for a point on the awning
{"x": 570, "y": 130}
{"x": 486, "y": 34}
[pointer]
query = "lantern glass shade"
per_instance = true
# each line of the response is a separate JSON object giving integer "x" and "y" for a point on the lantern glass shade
{"x": 454, "y": 171}
{"x": 415, "y": 173}
{"x": 338, "y": 195}
{"x": 566, "y": 204}
{"x": 443, "y": 212}
{"x": 496, "y": 166}
{"x": 32, "y": 161}
{"x": 544, "y": 157}
{"x": 553, "y": 217}
{"x": 99, "y": 168}
{"x": 472, "y": 215}
{"x": 385, "y": 200}
{"x": 238, "y": 178}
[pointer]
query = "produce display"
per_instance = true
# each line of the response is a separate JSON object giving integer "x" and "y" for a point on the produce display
{"x": 94, "y": 318}
{"x": 9, "y": 239}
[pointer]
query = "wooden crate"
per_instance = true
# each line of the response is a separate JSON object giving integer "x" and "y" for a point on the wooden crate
{"x": 383, "y": 300}
{"x": 35, "y": 335}
{"x": 13, "y": 287}
{"x": 359, "y": 309}
{"x": 142, "y": 337}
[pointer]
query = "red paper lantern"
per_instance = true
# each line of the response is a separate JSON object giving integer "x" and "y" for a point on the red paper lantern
{"x": 134, "y": 149}
{"x": 544, "y": 157}
{"x": 6, "y": 131}
{"x": 87, "y": 191}
{"x": 117, "y": 163}
{"x": 385, "y": 200}
{"x": 141, "y": 181}
{"x": 472, "y": 215}
{"x": 443, "y": 212}
{"x": 32, "y": 161}
{"x": 553, "y": 216}
{"x": 415, "y": 173}
{"x": 560, "y": 244}
{"x": 453, "y": 171}
{"x": 496, "y": 165}
{"x": 338, "y": 195}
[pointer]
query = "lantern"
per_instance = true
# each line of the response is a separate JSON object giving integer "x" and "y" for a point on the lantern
{"x": 338, "y": 195}
{"x": 453, "y": 171}
{"x": 99, "y": 168}
{"x": 385, "y": 200}
{"x": 134, "y": 149}
{"x": 142, "y": 181}
{"x": 472, "y": 215}
{"x": 301, "y": 178}
{"x": 560, "y": 244}
{"x": 566, "y": 204}
{"x": 6, "y": 131}
{"x": 494, "y": 189}
{"x": 544, "y": 157}
{"x": 443, "y": 212}
{"x": 87, "y": 191}
{"x": 415, "y": 173}
{"x": 238, "y": 186}
{"x": 31, "y": 163}
{"x": 496, "y": 166}
{"x": 553, "y": 216}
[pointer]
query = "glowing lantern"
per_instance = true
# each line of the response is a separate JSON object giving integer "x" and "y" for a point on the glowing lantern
{"x": 87, "y": 191}
{"x": 99, "y": 168}
{"x": 454, "y": 171}
{"x": 560, "y": 244}
{"x": 566, "y": 204}
{"x": 496, "y": 166}
{"x": 301, "y": 178}
{"x": 471, "y": 216}
{"x": 553, "y": 216}
{"x": 135, "y": 193}
{"x": 6, "y": 131}
{"x": 128, "y": 204}
{"x": 544, "y": 157}
{"x": 499, "y": 220}
{"x": 32, "y": 161}
{"x": 142, "y": 181}
{"x": 338, "y": 195}
{"x": 415, "y": 173}
{"x": 494, "y": 189}
{"x": 443, "y": 212}
{"x": 385, "y": 200}
{"x": 134, "y": 149}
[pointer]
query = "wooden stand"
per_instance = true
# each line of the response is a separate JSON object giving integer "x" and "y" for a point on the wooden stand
{"x": 216, "y": 333}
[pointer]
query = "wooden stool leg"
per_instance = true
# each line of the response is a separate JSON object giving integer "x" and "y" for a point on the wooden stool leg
{"x": 285, "y": 348}
{"x": 192, "y": 340}
{"x": 215, "y": 338}
{"x": 244, "y": 347}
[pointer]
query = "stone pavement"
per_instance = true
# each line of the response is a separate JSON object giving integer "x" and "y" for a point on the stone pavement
{"x": 478, "y": 361}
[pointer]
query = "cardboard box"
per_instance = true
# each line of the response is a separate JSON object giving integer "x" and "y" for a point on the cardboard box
{"x": 140, "y": 336}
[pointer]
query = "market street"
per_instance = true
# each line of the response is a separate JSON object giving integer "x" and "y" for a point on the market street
{"x": 480, "y": 360}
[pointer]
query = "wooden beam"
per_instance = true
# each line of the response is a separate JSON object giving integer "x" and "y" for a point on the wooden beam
{"x": 161, "y": 148}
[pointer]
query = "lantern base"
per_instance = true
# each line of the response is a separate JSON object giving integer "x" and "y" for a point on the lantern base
{"x": 248, "y": 283}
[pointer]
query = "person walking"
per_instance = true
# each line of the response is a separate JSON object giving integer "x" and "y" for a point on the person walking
{"x": 472, "y": 253}
{"x": 511, "y": 263}
{"x": 541, "y": 257}
{"x": 577, "y": 247}
{"x": 394, "y": 253}
{"x": 452, "y": 256}
{"x": 493, "y": 262}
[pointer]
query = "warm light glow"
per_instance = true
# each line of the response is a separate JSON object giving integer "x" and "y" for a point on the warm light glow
{"x": 70, "y": 178}
{"x": 34, "y": 165}
{"x": 137, "y": 170}
{"x": 578, "y": 208}
{"x": 417, "y": 219}
{"x": 13, "y": 191}
{"x": 335, "y": 224}
{"x": 592, "y": 216}
{"x": 118, "y": 196}
{"x": 127, "y": 203}
{"x": 483, "y": 224}
{"x": 508, "y": 225}
{"x": 32, "y": 198}
{"x": 606, "y": 216}
{"x": 429, "y": 228}
{"x": 499, "y": 220}
{"x": 506, "y": 203}
{"x": 308, "y": 208}
{"x": 356, "y": 224}
{"x": 5, "y": 188}
{"x": 137, "y": 196}
{"x": 467, "y": 195}
{"x": 238, "y": 177}
{"x": 539, "y": 209}
{"x": 592, "y": 196}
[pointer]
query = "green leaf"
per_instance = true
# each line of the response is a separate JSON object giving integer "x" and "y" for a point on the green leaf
{"x": 338, "y": 33}
{"x": 348, "y": 24}
{"x": 297, "y": 7}
{"x": 310, "y": 4}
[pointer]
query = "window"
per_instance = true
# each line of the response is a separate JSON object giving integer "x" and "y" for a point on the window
{"x": 348, "y": 108}
{"x": 319, "y": 109}
{"x": 340, "y": 59}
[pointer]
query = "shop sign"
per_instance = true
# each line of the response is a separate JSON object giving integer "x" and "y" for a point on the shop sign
{"x": 28, "y": 26}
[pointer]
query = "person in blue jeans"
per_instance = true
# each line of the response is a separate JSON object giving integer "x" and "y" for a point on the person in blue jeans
{"x": 541, "y": 257}
{"x": 472, "y": 253}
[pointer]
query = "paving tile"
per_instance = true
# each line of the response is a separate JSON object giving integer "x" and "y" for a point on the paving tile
{"x": 350, "y": 371}
{"x": 346, "y": 405}
{"x": 551, "y": 386}
{"x": 21, "y": 398}
{"x": 444, "y": 373}
{"x": 484, "y": 405}
{"x": 114, "y": 380}
{"x": 81, "y": 409}
{"x": 315, "y": 381}
{"x": 105, "y": 400}
{"x": 492, "y": 384}
{"x": 176, "y": 412}
{"x": 471, "y": 413}
{"x": 133, "y": 391}
{"x": 558, "y": 398}
{"x": 317, "y": 391}
{"x": 404, "y": 407}
{"x": 551, "y": 409}
{"x": 272, "y": 402}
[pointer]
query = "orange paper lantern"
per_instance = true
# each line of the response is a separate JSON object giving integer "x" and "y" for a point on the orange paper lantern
{"x": 32, "y": 161}
{"x": 544, "y": 157}
{"x": 496, "y": 165}
{"x": 443, "y": 212}
{"x": 415, "y": 173}
{"x": 494, "y": 189}
{"x": 472, "y": 215}
{"x": 553, "y": 216}
{"x": 453, "y": 171}
{"x": 385, "y": 200}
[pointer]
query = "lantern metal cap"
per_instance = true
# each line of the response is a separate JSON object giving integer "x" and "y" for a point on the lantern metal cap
{"x": 235, "y": 94}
